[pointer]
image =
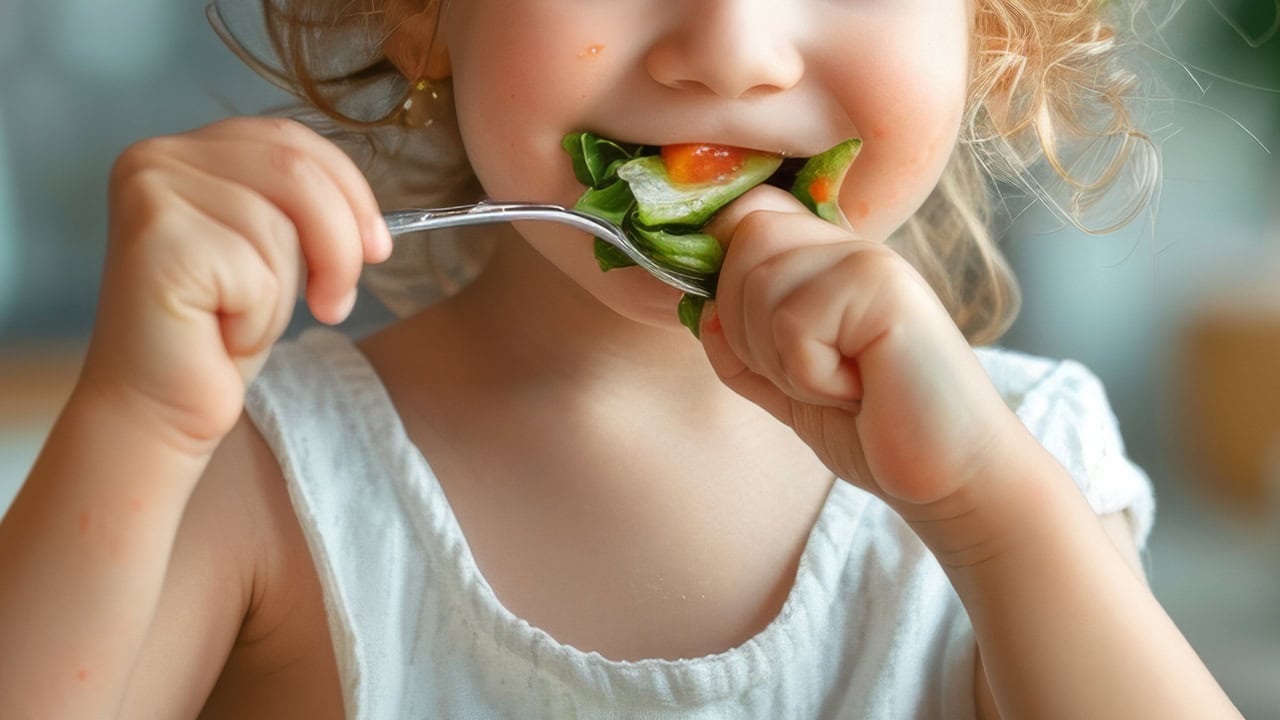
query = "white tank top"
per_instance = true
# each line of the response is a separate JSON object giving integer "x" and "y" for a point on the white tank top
{"x": 871, "y": 628}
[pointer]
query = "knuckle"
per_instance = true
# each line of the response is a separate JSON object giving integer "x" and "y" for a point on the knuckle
{"x": 146, "y": 207}
{"x": 874, "y": 266}
{"x": 286, "y": 128}
{"x": 761, "y": 278}
{"x": 138, "y": 157}
{"x": 279, "y": 129}
{"x": 141, "y": 186}
{"x": 291, "y": 162}
{"x": 760, "y": 225}
{"x": 879, "y": 259}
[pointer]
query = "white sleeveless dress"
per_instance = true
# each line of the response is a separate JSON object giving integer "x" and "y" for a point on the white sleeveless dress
{"x": 871, "y": 628}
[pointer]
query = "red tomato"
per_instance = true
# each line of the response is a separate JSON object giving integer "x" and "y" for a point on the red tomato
{"x": 820, "y": 189}
{"x": 699, "y": 164}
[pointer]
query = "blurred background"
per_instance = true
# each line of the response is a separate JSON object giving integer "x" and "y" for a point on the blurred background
{"x": 1179, "y": 314}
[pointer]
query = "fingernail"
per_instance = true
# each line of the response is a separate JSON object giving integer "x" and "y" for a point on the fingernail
{"x": 348, "y": 304}
{"x": 379, "y": 239}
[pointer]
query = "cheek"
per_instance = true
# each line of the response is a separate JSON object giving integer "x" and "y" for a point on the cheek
{"x": 909, "y": 115}
{"x": 521, "y": 82}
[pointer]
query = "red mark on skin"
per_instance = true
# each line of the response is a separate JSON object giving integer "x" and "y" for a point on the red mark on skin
{"x": 591, "y": 52}
{"x": 879, "y": 133}
{"x": 82, "y": 674}
{"x": 135, "y": 505}
{"x": 85, "y": 522}
{"x": 862, "y": 210}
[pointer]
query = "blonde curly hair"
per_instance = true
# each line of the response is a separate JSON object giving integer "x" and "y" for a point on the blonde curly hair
{"x": 1047, "y": 112}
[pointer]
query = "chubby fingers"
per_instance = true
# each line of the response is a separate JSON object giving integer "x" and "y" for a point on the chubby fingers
{"x": 780, "y": 308}
{"x": 312, "y": 182}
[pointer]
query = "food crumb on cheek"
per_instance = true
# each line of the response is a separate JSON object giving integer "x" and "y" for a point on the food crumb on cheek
{"x": 591, "y": 52}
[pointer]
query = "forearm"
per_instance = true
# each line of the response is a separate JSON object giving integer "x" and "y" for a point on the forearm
{"x": 1065, "y": 627}
{"x": 83, "y": 554}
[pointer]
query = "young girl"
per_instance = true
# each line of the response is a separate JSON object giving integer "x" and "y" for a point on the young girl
{"x": 542, "y": 497}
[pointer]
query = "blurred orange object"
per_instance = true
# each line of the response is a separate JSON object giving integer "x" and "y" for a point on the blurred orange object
{"x": 1230, "y": 385}
{"x": 36, "y": 381}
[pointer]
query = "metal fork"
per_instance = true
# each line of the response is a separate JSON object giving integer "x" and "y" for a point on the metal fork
{"x": 400, "y": 222}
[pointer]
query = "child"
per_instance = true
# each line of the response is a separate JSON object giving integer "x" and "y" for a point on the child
{"x": 828, "y": 506}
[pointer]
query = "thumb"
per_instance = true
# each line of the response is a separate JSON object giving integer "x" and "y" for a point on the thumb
{"x": 760, "y": 198}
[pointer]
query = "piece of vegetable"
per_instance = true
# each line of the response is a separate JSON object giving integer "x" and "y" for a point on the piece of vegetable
{"x": 818, "y": 183}
{"x": 661, "y": 200}
{"x": 697, "y": 164}
{"x": 663, "y": 197}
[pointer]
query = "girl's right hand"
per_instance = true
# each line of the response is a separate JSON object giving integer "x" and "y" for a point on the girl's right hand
{"x": 209, "y": 232}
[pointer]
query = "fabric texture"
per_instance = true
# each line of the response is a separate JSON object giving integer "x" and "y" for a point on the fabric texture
{"x": 870, "y": 629}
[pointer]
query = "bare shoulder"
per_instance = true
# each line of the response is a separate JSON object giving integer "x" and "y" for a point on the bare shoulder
{"x": 239, "y": 597}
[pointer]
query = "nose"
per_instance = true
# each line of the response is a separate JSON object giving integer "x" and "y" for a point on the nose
{"x": 732, "y": 48}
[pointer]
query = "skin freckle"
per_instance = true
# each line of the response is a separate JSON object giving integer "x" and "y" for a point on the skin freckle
{"x": 82, "y": 674}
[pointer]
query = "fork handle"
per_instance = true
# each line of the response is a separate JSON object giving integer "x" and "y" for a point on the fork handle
{"x": 400, "y": 222}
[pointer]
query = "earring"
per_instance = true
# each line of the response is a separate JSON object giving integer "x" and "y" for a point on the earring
{"x": 415, "y": 112}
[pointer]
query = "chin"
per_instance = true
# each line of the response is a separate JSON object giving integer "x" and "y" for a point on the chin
{"x": 638, "y": 297}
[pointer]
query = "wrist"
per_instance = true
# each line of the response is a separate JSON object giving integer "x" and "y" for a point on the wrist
{"x": 117, "y": 409}
{"x": 113, "y": 448}
{"x": 1003, "y": 508}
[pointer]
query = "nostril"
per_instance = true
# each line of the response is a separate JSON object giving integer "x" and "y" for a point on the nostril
{"x": 725, "y": 56}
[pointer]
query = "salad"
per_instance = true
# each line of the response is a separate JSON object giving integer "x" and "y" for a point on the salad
{"x": 663, "y": 197}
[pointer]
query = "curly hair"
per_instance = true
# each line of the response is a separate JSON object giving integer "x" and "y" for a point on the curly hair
{"x": 1047, "y": 112}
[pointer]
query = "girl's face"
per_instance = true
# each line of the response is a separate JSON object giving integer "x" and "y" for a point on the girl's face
{"x": 790, "y": 76}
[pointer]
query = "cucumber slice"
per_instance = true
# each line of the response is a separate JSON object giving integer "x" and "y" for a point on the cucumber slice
{"x": 660, "y": 201}
{"x": 818, "y": 183}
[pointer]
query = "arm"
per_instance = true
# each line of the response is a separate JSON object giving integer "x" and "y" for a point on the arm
{"x": 209, "y": 232}
{"x": 1065, "y": 625}
{"x": 842, "y": 340}
{"x": 83, "y": 552}
{"x": 1120, "y": 529}
{"x": 125, "y": 607}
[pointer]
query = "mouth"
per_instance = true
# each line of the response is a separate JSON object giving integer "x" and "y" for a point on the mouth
{"x": 785, "y": 176}
{"x": 707, "y": 163}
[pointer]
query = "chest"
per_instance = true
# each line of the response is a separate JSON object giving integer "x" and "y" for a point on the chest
{"x": 637, "y": 559}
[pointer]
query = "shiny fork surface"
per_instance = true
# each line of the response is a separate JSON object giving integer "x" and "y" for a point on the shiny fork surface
{"x": 400, "y": 222}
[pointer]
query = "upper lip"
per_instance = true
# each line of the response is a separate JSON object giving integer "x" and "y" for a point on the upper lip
{"x": 746, "y": 136}
{"x": 784, "y": 149}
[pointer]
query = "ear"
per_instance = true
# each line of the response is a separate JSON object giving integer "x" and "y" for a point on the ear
{"x": 412, "y": 43}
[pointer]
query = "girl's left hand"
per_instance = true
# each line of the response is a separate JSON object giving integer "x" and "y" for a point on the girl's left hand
{"x": 842, "y": 340}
